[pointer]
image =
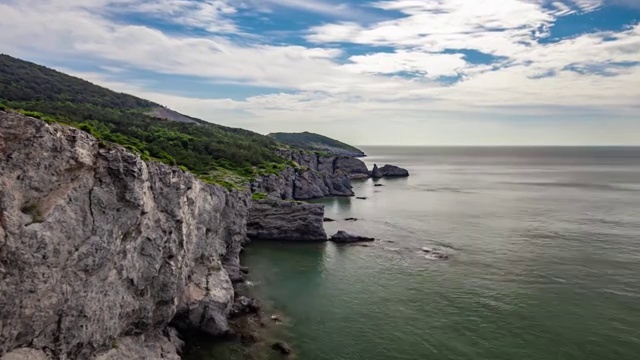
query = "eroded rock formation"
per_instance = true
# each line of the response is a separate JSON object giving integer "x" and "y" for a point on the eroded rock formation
{"x": 286, "y": 221}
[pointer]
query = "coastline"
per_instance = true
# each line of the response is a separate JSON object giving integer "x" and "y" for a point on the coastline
{"x": 252, "y": 335}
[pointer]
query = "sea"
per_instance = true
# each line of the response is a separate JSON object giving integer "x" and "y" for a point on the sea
{"x": 543, "y": 247}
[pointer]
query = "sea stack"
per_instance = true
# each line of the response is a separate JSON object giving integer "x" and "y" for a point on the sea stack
{"x": 376, "y": 173}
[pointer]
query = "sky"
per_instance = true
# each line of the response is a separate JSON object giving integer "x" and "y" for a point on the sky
{"x": 383, "y": 72}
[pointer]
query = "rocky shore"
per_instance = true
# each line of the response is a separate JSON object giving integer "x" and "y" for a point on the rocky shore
{"x": 105, "y": 256}
{"x": 319, "y": 176}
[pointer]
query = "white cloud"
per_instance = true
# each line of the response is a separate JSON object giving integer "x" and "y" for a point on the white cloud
{"x": 588, "y": 5}
{"x": 330, "y": 91}
{"x": 495, "y": 27}
{"x": 426, "y": 64}
{"x": 210, "y": 15}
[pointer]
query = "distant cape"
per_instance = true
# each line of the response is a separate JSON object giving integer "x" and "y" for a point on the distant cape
{"x": 317, "y": 142}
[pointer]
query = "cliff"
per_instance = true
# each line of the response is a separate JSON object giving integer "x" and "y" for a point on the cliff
{"x": 102, "y": 254}
{"x": 317, "y": 176}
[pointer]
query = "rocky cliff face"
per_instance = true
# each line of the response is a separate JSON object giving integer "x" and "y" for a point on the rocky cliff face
{"x": 319, "y": 176}
{"x": 286, "y": 221}
{"x": 100, "y": 252}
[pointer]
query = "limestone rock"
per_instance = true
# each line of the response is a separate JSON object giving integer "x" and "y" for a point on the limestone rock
{"x": 286, "y": 221}
{"x": 98, "y": 247}
{"x": 393, "y": 171}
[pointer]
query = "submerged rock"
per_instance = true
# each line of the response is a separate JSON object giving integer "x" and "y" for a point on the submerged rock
{"x": 285, "y": 221}
{"x": 282, "y": 347}
{"x": 351, "y": 219}
{"x": 362, "y": 198}
{"x": 435, "y": 253}
{"x": 328, "y": 219}
{"x": 378, "y": 185}
{"x": 346, "y": 238}
{"x": 393, "y": 171}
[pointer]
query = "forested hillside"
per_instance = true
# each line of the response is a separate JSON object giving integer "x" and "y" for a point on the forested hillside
{"x": 204, "y": 148}
{"x": 317, "y": 142}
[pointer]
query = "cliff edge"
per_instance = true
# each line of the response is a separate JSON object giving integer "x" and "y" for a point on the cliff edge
{"x": 103, "y": 255}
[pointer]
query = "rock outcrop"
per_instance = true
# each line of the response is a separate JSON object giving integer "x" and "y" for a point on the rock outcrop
{"x": 100, "y": 251}
{"x": 286, "y": 221}
{"x": 376, "y": 173}
{"x": 346, "y": 238}
{"x": 317, "y": 177}
{"x": 393, "y": 171}
{"x": 356, "y": 168}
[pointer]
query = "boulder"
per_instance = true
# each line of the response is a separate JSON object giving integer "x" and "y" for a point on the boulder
{"x": 285, "y": 221}
{"x": 244, "y": 305}
{"x": 376, "y": 173}
{"x": 346, "y": 238}
{"x": 393, "y": 171}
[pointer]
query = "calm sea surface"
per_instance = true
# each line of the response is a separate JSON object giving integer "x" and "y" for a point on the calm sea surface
{"x": 545, "y": 260}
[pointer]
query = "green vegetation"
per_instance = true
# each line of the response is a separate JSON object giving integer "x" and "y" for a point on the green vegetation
{"x": 217, "y": 154}
{"x": 259, "y": 196}
{"x": 320, "y": 144}
{"x": 34, "y": 211}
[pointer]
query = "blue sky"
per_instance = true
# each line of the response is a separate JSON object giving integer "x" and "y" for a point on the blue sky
{"x": 409, "y": 72}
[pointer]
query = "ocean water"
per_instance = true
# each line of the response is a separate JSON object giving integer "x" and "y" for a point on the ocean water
{"x": 544, "y": 248}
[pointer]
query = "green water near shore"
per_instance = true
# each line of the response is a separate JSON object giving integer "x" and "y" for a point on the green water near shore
{"x": 545, "y": 263}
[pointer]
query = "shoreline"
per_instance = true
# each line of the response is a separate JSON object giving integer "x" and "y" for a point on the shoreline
{"x": 253, "y": 335}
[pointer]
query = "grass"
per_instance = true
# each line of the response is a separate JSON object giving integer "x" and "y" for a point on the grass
{"x": 259, "y": 196}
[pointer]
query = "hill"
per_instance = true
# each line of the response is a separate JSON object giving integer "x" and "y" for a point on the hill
{"x": 317, "y": 142}
{"x": 157, "y": 133}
